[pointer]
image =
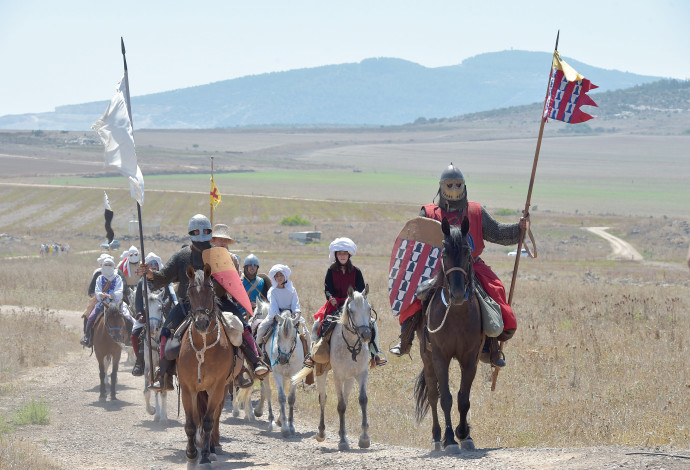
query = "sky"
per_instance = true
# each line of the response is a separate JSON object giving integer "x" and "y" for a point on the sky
{"x": 55, "y": 53}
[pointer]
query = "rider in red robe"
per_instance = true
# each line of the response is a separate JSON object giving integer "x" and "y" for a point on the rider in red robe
{"x": 453, "y": 205}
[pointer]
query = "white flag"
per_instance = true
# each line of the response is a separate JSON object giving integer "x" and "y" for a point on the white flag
{"x": 107, "y": 201}
{"x": 115, "y": 130}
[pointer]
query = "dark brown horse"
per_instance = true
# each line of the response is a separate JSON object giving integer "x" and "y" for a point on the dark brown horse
{"x": 452, "y": 324}
{"x": 108, "y": 339}
{"x": 206, "y": 364}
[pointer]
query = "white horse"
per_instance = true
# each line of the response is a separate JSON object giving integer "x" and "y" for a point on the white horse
{"x": 160, "y": 411}
{"x": 286, "y": 355}
{"x": 349, "y": 358}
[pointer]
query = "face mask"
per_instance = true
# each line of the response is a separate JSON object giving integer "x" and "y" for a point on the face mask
{"x": 108, "y": 271}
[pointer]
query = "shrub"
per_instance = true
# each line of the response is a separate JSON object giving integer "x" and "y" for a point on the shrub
{"x": 294, "y": 220}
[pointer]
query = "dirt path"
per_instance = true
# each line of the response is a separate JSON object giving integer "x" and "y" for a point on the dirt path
{"x": 622, "y": 250}
{"x": 85, "y": 433}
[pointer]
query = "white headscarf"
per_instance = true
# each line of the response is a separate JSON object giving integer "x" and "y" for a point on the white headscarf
{"x": 341, "y": 244}
{"x": 108, "y": 271}
{"x": 101, "y": 258}
{"x": 133, "y": 256}
{"x": 279, "y": 268}
{"x": 154, "y": 258}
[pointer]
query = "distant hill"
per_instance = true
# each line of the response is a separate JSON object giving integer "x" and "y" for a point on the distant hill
{"x": 379, "y": 91}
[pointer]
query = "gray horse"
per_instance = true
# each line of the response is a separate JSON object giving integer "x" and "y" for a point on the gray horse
{"x": 160, "y": 411}
{"x": 350, "y": 362}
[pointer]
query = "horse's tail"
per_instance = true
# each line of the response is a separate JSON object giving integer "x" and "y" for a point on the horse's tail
{"x": 301, "y": 375}
{"x": 421, "y": 398}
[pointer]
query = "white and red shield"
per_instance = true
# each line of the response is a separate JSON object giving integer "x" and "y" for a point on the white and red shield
{"x": 414, "y": 259}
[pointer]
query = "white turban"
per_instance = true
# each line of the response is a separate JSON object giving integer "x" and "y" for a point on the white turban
{"x": 133, "y": 254}
{"x": 341, "y": 244}
{"x": 279, "y": 268}
{"x": 101, "y": 258}
{"x": 108, "y": 259}
{"x": 154, "y": 258}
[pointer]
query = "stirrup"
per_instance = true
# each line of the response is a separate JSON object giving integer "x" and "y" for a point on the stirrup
{"x": 308, "y": 362}
{"x": 260, "y": 371}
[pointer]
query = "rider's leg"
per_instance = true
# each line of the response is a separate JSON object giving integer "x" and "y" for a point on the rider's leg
{"x": 374, "y": 347}
{"x": 138, "y": 346}
{"x": 401, "y": 349}
{"x": 252, "y": 354}
{"x": 88, "y": 329}
{"x": 314, "y": 337}
{"x": 165, "y": 367}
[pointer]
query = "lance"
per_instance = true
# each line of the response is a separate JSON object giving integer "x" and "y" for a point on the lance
{"x": 525, "y": 212}
{"x": 141, "y": 229}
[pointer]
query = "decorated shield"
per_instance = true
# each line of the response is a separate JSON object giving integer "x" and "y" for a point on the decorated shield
{"x": 224, "y": 272}
{"x": 414, "y": 260}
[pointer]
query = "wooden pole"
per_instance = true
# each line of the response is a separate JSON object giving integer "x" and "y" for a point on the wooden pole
{"x": 210, "y": 200}
{"x": 141, "y": 231}
{"x": 525, "y": 212}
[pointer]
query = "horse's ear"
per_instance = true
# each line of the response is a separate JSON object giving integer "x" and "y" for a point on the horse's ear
{"x": 366, "y": 290}
{"x": 445, "y": 226}
{"x": 465, "y": 227}
{"x": 207, "y": 270}
{"x": 350, "y": 292}
{"x": 190, "y": 271}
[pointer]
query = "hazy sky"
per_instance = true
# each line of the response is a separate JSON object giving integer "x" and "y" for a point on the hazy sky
{"x": 67, "y": 52}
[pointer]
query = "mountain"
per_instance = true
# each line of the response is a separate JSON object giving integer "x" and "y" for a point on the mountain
{"x": 379, "y": 91}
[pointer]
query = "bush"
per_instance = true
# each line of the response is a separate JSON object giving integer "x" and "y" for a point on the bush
{"x": 294, "y": 220}
{"x": 505, "y": 212}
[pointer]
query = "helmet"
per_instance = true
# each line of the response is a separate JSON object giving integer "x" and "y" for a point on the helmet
{"x": 251, "y": 259}
{"x": 452, "y": 188}
{"x": 203, "y": 225}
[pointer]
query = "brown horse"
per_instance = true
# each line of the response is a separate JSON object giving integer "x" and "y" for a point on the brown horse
{"x": 206, "y": 364}
{"x": 108, "y": 339}
{"x": 453, "y": 327}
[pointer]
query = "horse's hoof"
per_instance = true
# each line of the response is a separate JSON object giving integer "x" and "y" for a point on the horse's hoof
{"x": 205, "y": 460}
{"x": 151, "y": 411}
{"x": 320, "y": 437}
{"x": 343, "y": 445}
{"x": 452, "y": 449}
{"x": 235, "y": 413}
{"x": 102, "y": 398}
{"x": 285, "y": 431}
{"x": 436, "y": 446}
{"x": 467, "y": 444}
{"x": 292, "y": 430}
{"x": 191, "y": 456}
{"x": 258, "y": 413}
{"x": 364, "y": 442}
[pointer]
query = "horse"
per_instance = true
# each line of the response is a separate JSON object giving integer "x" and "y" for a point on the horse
{"x": 160, "y": 411}
{"x": 108, "y": 341}
{"x": 453, "y": 326}
{"x": 349, "y": 360}
{"x": 207, "y": 362}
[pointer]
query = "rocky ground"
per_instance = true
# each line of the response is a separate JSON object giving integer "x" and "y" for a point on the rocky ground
{"x": 85, "y": 433}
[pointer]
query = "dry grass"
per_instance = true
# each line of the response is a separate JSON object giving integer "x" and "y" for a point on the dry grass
{"x": 19, "y": 454}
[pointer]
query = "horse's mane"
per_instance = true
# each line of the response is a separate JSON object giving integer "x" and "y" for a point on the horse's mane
{"x": 357, "y": 299}
{"x": 288, "y": 323}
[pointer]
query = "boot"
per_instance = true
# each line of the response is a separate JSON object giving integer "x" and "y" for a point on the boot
{"x": 260, "y": 369}
{"x": 138, "y": 346}
{"x": 162, "y": 378}
{"x": 400, "y": 349}
{"x": 404, "y": 347}
{"x": 491, "y": 354}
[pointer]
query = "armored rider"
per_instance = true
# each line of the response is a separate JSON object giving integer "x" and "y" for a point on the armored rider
{"x": 454, "y": 206}
{"x": 256, "y": 285}
{"x": 200, "y": 232}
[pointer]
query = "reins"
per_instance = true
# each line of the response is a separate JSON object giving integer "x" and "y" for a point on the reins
{"x": 281, "y": 354}
{"x": 468, "y": 289}
{"x": 201, "y": 352}
{"x": 355, "y": 348}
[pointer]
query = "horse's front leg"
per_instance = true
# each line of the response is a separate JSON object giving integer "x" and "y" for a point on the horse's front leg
{"x": 271, "y": 417}
{"x": 431, "y": 387}
{"x": 364, "y": 440}
{"x": 441, "y": 370}
{"x": 321, "y": 386}
{"x": 210, "y": 423}
{"x": 469, "y": 370}
{"x": 113, "y": 375}
{"x": 162, "y": 407}
{"x": 282, "y": 399}
{"x": 101, "y": 376}
{"x": 343, "y": 389}
{"x": 291, "y": 406}
{"x": 189, "y": 405}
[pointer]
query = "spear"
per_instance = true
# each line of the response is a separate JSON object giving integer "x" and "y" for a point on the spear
{"x": 525, "y": 212}
{"x": 141, "y": 229}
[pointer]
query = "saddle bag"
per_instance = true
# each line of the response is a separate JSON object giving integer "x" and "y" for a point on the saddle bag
{"x": 321, "y": 353}
{"x": 236, "y": 328}
{"x": 492, "y": 320}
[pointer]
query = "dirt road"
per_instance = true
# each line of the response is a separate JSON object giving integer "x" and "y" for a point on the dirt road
{"x": 85, "y": 433}
{"x": 622, "y": 250}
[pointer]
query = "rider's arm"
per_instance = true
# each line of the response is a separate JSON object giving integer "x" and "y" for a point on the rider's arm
{"x": 92, "y": 286}
{"x": 168, "y": 274}
{"x": 329, "y": 288}
{"x": 496, "y": 232}
{"x": 117, "y": 291}
{"x": 295, "y": 303}
{"x": 139, "y": 298}
{"x": 99, "y": 289}
{"x": 359, "y": 281}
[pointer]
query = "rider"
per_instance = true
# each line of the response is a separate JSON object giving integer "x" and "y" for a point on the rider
{"x": 256, "y": 285}
{"x": 281, "y": 296}
{"x": 128, "y": 267}
{"x": 342, "y": 275}
{"x": 155, "y": 262}
{"x": 221, "y": 237}
{"x": 200, "y": 230}
{"x": 97, "y": 272}
{"x": 453, "y": 205}
{"x": 108, "y": 289}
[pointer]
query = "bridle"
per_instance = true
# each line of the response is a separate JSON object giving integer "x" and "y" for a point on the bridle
{"x": 284, "y": 357}
{"x": 113, "y": 331}
{"x": 358, "y": 331}
{"x": 211, "y": 313}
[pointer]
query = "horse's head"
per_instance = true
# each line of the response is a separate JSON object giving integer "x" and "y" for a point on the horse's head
{"x": 356, "y": 315}
{"x": 202, "y": 298}
{"x": 156, "y": 311}
{"x": 261, "y": 308}
{"x": 286, "y": 335}
{"x": 115, "y": 322}
{"x": 456, "y": 262}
